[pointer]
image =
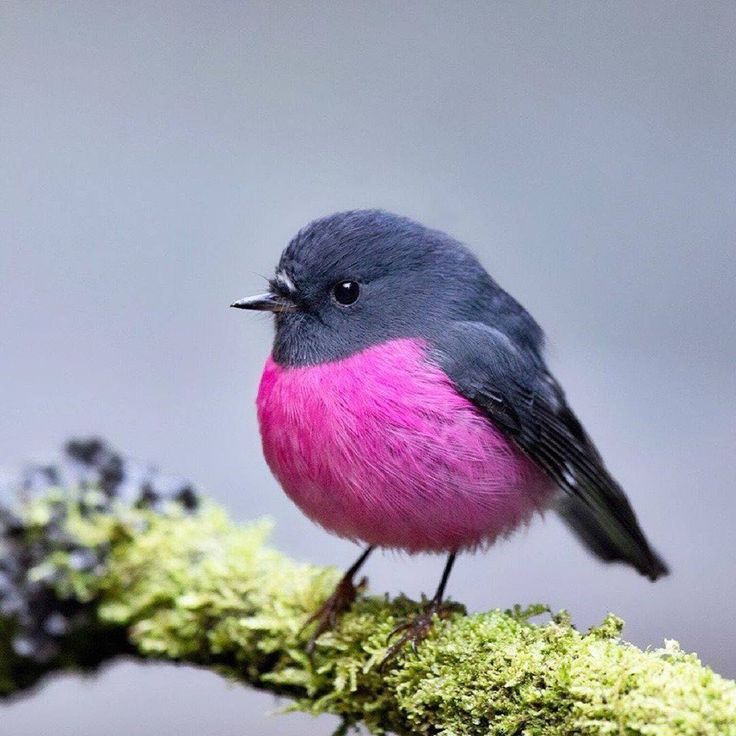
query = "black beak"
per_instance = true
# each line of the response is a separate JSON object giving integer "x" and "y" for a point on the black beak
{"x": 267, "y": 302}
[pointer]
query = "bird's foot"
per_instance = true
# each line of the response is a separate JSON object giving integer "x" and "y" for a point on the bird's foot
{"x": 416, "y": 629}
{"x": 327, "y": 615}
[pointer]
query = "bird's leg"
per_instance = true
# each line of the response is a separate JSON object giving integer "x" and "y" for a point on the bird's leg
{"x": 414, "y": 630}
{"x": 339, "y": 602}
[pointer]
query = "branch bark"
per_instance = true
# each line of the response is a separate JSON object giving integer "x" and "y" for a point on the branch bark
{"x": 85, "y": 578}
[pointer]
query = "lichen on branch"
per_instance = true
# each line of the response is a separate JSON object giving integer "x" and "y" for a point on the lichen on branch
{"x": 182, "y": 583}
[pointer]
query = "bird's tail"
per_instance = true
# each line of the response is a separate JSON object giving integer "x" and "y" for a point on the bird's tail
{"x": 587, "y": 526}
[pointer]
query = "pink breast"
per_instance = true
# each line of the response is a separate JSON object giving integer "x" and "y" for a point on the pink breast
{"x": 380, "y": 447}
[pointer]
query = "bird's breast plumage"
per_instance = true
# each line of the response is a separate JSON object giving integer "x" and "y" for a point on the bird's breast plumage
{"x": 380, "y": 447}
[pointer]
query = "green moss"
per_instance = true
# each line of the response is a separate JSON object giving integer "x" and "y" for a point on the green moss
{"x": 202, "y": 590}
{"x": 199, "y": 589}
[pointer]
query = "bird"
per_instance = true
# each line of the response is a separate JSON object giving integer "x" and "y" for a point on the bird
{"x": 406, "y": 404}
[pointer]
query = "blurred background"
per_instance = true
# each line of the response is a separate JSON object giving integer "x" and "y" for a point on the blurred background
{"x": 155, "y": 159}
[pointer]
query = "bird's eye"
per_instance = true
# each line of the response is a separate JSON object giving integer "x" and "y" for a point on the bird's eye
{"x": 346, "y": 292}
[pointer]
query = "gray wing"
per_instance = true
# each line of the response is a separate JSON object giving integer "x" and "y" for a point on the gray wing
{"x": 512, "y": 386}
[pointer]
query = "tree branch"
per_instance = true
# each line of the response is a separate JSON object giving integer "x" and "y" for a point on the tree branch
{"x": 85, "y": 577}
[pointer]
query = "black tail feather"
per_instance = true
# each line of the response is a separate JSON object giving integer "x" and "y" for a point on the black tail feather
{"x": 594, "y": 535}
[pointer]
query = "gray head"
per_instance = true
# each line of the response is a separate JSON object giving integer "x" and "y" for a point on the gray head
{"x": 359, "y": 278}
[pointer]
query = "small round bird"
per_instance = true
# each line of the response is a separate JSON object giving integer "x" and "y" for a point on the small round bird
{"x": 407, "y": 404}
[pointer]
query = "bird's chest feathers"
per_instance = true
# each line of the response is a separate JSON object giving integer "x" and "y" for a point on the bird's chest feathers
{"x": 380, "y": 446}
{"x": 345, "y": 416}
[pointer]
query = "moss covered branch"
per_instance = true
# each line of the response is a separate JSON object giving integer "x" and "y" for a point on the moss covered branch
{"x": 186, "y": 585}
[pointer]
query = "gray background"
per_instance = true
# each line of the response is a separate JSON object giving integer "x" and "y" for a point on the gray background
{"x": 156, "y": 157}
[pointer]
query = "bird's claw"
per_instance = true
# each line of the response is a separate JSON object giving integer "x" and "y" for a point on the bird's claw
{"x": 327, "y": 614}
{"x": 414, "y": 630}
